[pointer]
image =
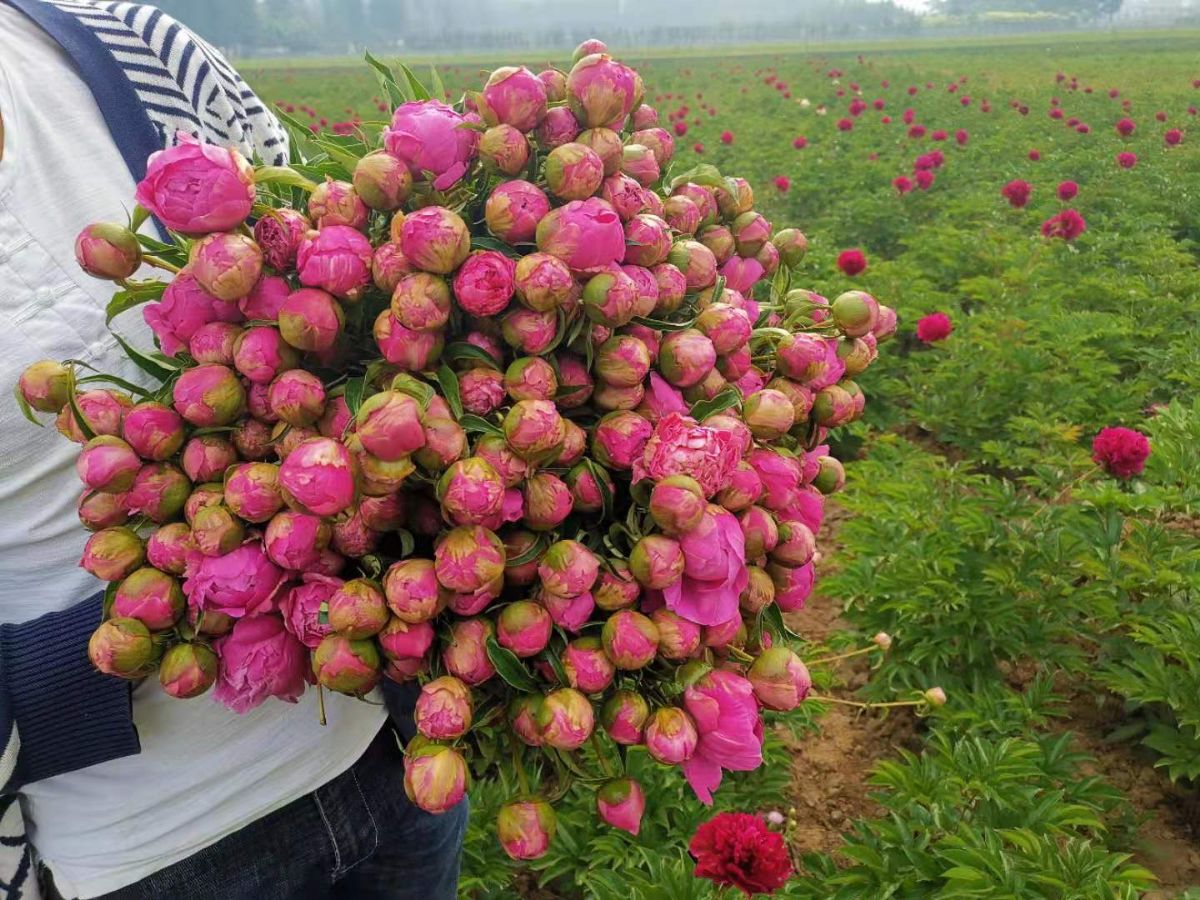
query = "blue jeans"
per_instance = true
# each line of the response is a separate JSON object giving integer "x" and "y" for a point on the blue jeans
{"x": 357, "y": 837}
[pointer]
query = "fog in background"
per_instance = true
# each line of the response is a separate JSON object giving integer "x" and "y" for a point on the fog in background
{"x": 283, "y": 27}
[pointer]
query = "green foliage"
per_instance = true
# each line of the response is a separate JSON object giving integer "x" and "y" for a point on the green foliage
{"x": 973, "y": 817}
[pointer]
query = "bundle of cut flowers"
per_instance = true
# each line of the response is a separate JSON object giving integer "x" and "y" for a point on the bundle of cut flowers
{"x": 499, "y": 401}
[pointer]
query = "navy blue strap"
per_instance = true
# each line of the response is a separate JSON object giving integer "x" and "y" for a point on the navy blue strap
{"x": 130, "y": 126}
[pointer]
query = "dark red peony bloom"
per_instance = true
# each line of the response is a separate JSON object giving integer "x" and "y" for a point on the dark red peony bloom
{"x": 1173, "y": 137}
{"x": 800, "y": 142}
{"x": 934, "y": 327}
{"x": 738, "y": 850}
{"x": 726, "y": 137}
{"x": 1126, "y": 127}
{"x": 903, "y": 184}
{"x": 1017, "y": 192}
{"x": 852, "y": 261}
{"x": 1126, "y": 160}
{"x": 1122, "y": 452}
{"x": 1067, "y": 190}
{"x": 782, "y": 183}
{"x": 1067, "y": 225}
{"x": 924, "y": 180}
{"x": 1035, "y": 155}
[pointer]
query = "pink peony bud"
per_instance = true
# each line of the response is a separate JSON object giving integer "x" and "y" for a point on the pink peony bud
{"x": 470, "y": 491}
{"x": 555, "y": 83}
{"x": 295, "y": 540}
{"x": 670, "y": 736}
{"x": 648, "y": 240}
{"x": 382, "y": 181}
{"x": 310, "y": 319}
{"x": 513, "y": 210}
{"x": 656, "y": 561}
{"x": 336, "y": 259}
{"x": 677, "y": 504}
{"x": 529, "y": 332}
{"x": 209, "y": 396}
{"x": 624, "y": 717}
{"x": 796, "y": 546}
{"x": 526, "y": 828}
{"x": 226, "y": 265}
{"x": 696, "y": 262}
{"x": 534, "y": 430}
{"x": 548, "y": 501}
{"x": 336, "y": 203}
{"x": 586, "y": 665}
{"x": 621, "y": 803}
{"x": 152, "y": 597}
{"x": 435, "y": 239}
{"x": 357, "y": 609}
{"x": 410, "y": 350}
{"x": 610, "y": 298}
{"x": 197, "y": 188}
{"x": 672, "y": 285}
{"x": 792, "y": 246}
{"x": 606, "y": 144}
{"x": 678, "y": 638}
{"x": 935, "y": 696}
{"x": 297, "y": 397}
{"x": 252, "y": 491}
{"x": 619, "y": 438}
{"x": 566, "y": 719}
{"x": 831, "y": 476}
{"x": 113, "y": 554}
{"x": 630, "y": 639}
{"x": 514, "y": 96}
{"x": 261, "y": 353}
{"x": 153, "y": 430}
{"x": 421, "y": 302}
{"x": 346, "y": 666}
{"x": 98, "y": 511}
{"x": 468, "y": 558}
{"x": 45, "y": 386}
{"x": 206, "y": 458}
{"x": 435, "y": 776}
{"x": 645, "y": 116}
{"x": 769, "y": 414}
{"x": 279, "y": 233}
{"x": 465, "y": 654}
{"x": 542, "y": 282}
{"x": 640, "y": 163}
{"x": 573, "y": 171}
{"x": 504, "y": 149}
{"x": 585, "y": 234}
{"x": 212, "y": 494}
{"x": 108, "y": 251}
{"x": 187, "y": 670}
{"x": 122, "y": 647}
{"x": 686, "y": 357}
{"x": 780, "y": 680}
{"x": 428, "y": 136}
{"x": 726, "y": 326}
{"x": 159, "y": 492}
{"x": 405, "y": 640}
{"x": 443, "y": 709}
{"x": 602, "y": 91}
{"x": 855, "y": 312}
{"x": 569, "y": 613}
{"x": 559, "y": 127}
{"x": 412, "y": 590}
{"x": 216, "y": 531}
{"x": 168, "y": 548}
{"x": 568, "y": 569}
{"x": 389, "y": 425}
{"x": 484, "y": 284}
{"x": 215, "y": 342}
{"x": 319, "y": 476}
{"x": 524, "y": 628}
{"x": 107, "y": 464}
{"x": 793, "y": 585}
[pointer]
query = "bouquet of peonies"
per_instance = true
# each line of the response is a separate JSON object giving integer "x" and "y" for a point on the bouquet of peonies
{"x": 508, "y": 406}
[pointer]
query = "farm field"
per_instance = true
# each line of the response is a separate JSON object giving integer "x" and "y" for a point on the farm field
{"x": 1044, "y": 195}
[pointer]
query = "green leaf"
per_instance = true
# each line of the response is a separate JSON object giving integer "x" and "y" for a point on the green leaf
{"x": 136, "y": 294}
{"x": 601, "y": 479}
{"x": 449, "y": 383}
{"x": 408, "y": 544}
{"x": 487, "y": 242}
{"x": 705, "y": 174}
{"x": 474, "y": 424}
{"x": 530, "y": 553}
{"x": 348, "y": 159}
{"x": 103, "y": 378}
{"x": 661, "y": 325}
{"x": 772, "y": 617}
{"x": 284, "y": 175}
{"x": 355, "y": 388}
{"x": 439, "y": 89}
{"x": 509, "y": 667}
{"x": 138, "y": 217}
{"x": 724, "y": 399}
{"x": 151, "y": 363}
{"x": 73, "y": 400}
{"x": 462, "y": 350}
{"x": 26, "y": 409}
{"x": 396, "y": 94}
{"x": 418, "y": 90}
{"x": 110, "y": 594}
{"x": 415, "y": 388}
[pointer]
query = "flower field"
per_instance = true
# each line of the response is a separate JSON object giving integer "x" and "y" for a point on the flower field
{"x": 1031, "y": 209}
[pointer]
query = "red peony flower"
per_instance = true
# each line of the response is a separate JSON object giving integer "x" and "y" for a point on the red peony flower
{"x": 1126, "y": 160}
{"x": 1126, "y": 127}
{"x": 698, "y": 148}
{"x": 845, "y": 124}
{"x": 1067, "y": 225}
{"x": 782, "y": 183}
{"x": 934, "y": 327}
{"x": 924, "y": 180}
{"x": 1067, "y": 190}
{"x": 852, "y": 261}
{"x": 800, "y": 142}
{"x": 1173, "y": 137}
{"x": 1035, "y": 155}
{"x": 738, "y": 850}
{"x": 726, "y": 137}
{"x": 1122, "y": 452}
{"x": 1017, "y": 192}
{"x": 962, "y": 137}
{"x": 903, "y": 184}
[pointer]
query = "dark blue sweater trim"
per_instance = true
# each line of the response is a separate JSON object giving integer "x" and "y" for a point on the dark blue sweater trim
{"x": 68, "y": 715}
{"x": 130, "y": 127}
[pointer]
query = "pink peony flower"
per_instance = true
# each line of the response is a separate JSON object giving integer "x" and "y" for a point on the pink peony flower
{"x": 301, "y": 608}
{"x": 184, "y": 308}
{"x": 852, "y": 262}
{"x": 729, "y": 730}
{"x": 1122, "y": 452}
{"x": 934, "y": 327}
{"x": 318, "y": 474}
{"x": 680, "y": 446}
{"x": 278, "y": 234}
{"x": 1017, "y": 192}
{"x": 585, "y": 234}
{"x": 714, "y": 573}
{"x": 485, "y": 283}
{"x": 241, "y": 583}
{"x": 1068, "y": 225}
{"x": 260, "y": 659}
{"x": 428, "y": 137}
{"x": 196, "y": 188}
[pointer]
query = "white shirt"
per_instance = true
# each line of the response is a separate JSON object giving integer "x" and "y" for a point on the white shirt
{"x": 204, "y": 772}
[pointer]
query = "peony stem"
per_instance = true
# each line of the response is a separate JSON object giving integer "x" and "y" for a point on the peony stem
{"x": 160, "y": 263}
{"x": 321, "y": 705}
{"x": 829, "y": 659}
{"x": 601, "y": 756}
{"x": 855, "y": 703}
{"x": 522, "y": 778}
